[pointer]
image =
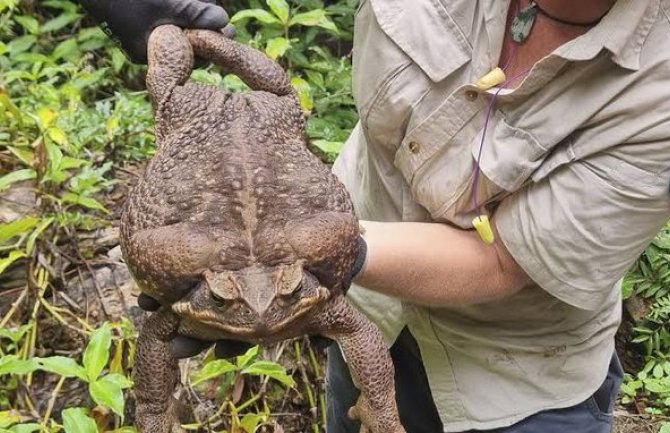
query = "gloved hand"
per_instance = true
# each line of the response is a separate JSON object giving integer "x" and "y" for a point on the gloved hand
{"x": 131, "y": 21}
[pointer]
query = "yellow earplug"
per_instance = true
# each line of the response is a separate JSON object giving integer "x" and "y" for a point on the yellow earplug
{"x": 493, "y": 78}
{"x": 482, "y": 224}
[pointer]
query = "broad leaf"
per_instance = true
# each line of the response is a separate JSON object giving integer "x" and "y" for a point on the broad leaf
{"x": 250, "y": 422}
{"x": 9, "y": 417}
{"x": 270, "y": 369}
{"x": 11, "y": 364}
{"x": 213, "y": 369}
{"x": 17, "y": 227}
{"x": 82, "y": 200}
{"x": 28, "y": 427}
{"x": 258, "y": 14}
{"x": 108, "y": 392}
{"x": 279, "y": 8}
{"x": 250, "y": 355}
{"x": 304, "y": 91}
{"x": 96, "y": 354}
{"x": 316, "y": 17}
{"x": 59, "y": 22}
{"x": 328, "y": 146}
{"x": 77, "y": 420}
{"x": 62, "y": 365}
{"x": 17, "y": 176}
{"x": 277, "y": 47}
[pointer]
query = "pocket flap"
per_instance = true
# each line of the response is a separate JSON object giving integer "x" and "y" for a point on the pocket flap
{"x": 424, "y": 30}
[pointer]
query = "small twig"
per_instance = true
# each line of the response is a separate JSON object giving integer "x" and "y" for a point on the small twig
{"x": 13, "y": 308}
{"x": 310, "y": 394}
{"x": 52, "y": 401}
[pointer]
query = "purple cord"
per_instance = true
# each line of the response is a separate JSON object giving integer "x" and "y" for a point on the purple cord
{"x": 475, "y": 169}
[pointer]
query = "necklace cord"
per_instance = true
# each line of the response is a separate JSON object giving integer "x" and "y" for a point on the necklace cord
{"x": 541, "y": 10}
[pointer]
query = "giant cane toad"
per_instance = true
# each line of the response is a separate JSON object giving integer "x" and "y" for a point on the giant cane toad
{"x": 238, "y": 230}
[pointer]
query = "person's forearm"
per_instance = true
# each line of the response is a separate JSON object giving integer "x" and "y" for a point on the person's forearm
{"x": 437, "y": 265}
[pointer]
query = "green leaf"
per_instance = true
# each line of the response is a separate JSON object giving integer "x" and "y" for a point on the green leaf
{"x": 304, "y": 91}
{"x": 17, "y": 227}
{"x": 59, "y": 22}
{"x": 13, "y": 256}
{"x": 328, "y": 146}
{"x": 46, "y": 222}
{"x": 9, "y": 417}
{"x": 665, "y": 428}
{"x": 11, "y": 364}
{"x": 54, "y": 157}
{"x": 62, "y": 365}
{"x": 29, "y": 427}
{"x": 17, "y": 176}
{"x": 316, "y": 17}
{"x": 21, "y": 44}
{"x": 118, "y": 59}
{"x": 77, "y": 420}
{"x": 270, "y": 369}
{"x": 57, "y": 135}
{"x": 243, "y": 360}
{"x": 96, "y": 354}
{"x": 30, "y": 24}
{"x": 280, "y": 8}
{"x": 15, "y": 334}
{"x": 25, "y": 155}
{"x": 88, "y": 202}
{"x": 258, "y": 14}
{"x": 108, "y": 391}
{"x": 250, "y": 421}
{"x": 656, "y": 387}
{"x": 277, "y": 47}
{"x": 213, "y": 369}
{"x": 67, "y": 49}
{"x": 658, "y": 371}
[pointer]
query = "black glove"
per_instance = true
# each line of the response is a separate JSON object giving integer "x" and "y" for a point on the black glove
{"x": 186, "y": 347}
{"x": 131, "y": 21}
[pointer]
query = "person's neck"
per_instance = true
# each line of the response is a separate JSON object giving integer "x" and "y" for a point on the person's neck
{"x": 577, "y": 11}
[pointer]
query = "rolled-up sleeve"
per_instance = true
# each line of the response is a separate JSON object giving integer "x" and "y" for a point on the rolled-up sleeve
{"x": 577, "y": 231}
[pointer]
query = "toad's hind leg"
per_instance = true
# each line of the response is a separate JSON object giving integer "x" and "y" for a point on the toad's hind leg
{"x": 156, "y": 375}
{"x": 369, "y": 362}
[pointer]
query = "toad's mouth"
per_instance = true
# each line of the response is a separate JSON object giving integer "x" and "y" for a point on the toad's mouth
{"x": 250, "y": 325}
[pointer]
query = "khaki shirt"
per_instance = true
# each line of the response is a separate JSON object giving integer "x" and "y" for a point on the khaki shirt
{"x": 576, "y": 167}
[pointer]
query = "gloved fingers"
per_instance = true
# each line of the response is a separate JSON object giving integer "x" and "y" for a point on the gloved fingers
{"x": 186, "y": 347}
{"x": 199, "y": 14}
{"x": 230, "y": 348}
{"x": 229, "y": 31}
{"x": 147, "y": 303}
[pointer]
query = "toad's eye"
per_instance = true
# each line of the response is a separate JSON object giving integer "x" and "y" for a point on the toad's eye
{"x": 219, "y": 301}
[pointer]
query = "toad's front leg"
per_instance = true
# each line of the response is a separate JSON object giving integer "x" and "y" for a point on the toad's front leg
{"x": 156, "y": 375}
{"x": 369, "y": 362}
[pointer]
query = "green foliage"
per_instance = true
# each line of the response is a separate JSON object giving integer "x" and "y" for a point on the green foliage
{"x": 649, "y": 279}
{"x": 311, "y": 40}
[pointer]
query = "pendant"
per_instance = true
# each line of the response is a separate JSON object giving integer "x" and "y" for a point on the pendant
{"x": 523, "y": 22}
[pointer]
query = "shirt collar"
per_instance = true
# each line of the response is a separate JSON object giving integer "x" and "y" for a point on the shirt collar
{"x": 622, "y": 32}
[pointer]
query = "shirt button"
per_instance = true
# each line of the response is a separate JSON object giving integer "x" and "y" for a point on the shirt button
{"x": 471, "y": 95}
{"x": 414, "y": 147}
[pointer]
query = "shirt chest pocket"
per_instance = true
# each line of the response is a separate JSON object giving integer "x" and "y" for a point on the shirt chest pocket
{"x": 402, "y": 48}
{"x": 437, "y": 159}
